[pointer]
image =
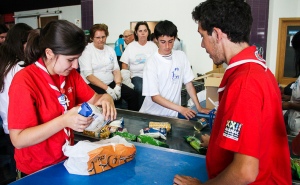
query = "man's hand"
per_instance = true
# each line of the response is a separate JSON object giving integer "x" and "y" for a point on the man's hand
{"x": 204, "y": 110}
{"x": 187, "y": 113}
{"x": 204, "y": 140}
{"x": 185, "y": 180}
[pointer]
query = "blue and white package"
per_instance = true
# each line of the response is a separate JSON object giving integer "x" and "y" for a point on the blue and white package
{"x": 117, "y": 123}
{"x": 155, "y": 132}
{"x": 89, "y": 110}
{"x": 85, "y": 110}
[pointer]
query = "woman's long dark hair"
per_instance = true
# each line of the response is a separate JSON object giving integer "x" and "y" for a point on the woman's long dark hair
{"x": 12, "y": 50}
{"x": 61, "y": 36}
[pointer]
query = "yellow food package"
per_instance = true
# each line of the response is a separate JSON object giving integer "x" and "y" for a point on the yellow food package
{"x": 102, "y": 133}
{"x": 166, "y": 125}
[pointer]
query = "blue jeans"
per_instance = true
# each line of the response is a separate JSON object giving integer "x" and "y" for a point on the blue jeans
{"x": 138, "y": 87}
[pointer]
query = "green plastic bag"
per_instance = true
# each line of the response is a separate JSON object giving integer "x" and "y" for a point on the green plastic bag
{"x": 151, "y": 141}
{"x": 295, "y": 164}
{"x": 196, "y": 144}
{"x": 128, "y": 136}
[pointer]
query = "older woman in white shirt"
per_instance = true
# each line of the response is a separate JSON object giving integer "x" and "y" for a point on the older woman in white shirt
{"x": 99, "y": 68}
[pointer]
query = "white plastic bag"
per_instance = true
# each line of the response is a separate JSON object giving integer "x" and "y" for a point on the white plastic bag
{"x": 88, "y": 158}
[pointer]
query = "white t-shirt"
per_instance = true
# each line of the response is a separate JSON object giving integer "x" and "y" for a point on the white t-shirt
{"x": 100, "y": 63}
{"x": 164, "y": 76}
{"x": 4, "y": 99}
{"x": 135, "y": 55}
{"x": 294, "y": 116}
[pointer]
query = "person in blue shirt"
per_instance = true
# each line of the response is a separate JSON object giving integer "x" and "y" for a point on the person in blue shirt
{"x": 119, "y": 49}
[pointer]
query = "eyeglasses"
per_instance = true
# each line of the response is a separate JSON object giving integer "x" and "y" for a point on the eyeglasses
{"x": 103, "y": 37}
{"x": 125, "y": 36}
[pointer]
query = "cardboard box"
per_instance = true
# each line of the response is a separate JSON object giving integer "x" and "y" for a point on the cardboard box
{"x": 217, "y": 70}
{"x": 212, "y": 84}
{"x": 207, "y": 74}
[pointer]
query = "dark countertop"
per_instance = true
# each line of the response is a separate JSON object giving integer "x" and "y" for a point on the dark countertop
{"x": 135, "y": 121}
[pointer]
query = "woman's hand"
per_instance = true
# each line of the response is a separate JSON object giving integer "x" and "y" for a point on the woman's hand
{"x": 108, "y": 106}
{"x": 75, "y": 121}
{"x": 117, "y": 91}
{"x": 112, "y": 93}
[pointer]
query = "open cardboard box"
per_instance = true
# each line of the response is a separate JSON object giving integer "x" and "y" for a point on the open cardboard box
{"x": 212, "y": 84}
{"x": 212, "y": 81}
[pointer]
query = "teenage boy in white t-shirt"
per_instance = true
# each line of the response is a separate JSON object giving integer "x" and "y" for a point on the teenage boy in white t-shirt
{"x": 164, "y": 73}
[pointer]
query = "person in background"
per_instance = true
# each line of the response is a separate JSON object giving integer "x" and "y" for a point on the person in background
{"x": 164, "y": 73}
{"x": 100, "y": 69}
{"x": 286, "y": 92}
{"x": 135, "y": 56}
{"x": 128, "y": 36}
{"x": 119, "y": 49}
{"x": 12, "y": 60}
{"x": 177, "y": 44}
{"x": 3, "y": 33}
{"x": 43, "y": 98}
{"x": 292, "y": 105}
{"x": 248, "y": 143}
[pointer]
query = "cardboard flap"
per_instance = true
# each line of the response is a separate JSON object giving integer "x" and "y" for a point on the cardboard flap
{"x": 217, "y": 70}
{"x": 213, "y": 79}
{"x": 212, "y": 82}
{"x": 202, "y": 77}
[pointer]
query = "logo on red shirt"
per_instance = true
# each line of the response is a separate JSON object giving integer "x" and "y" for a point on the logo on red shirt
{"x": 232, "y": 130}
{"x": 70, "y": 89}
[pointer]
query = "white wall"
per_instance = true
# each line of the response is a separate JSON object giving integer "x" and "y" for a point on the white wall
{"x": 278, "y": 9}
{"x": 118, "y": 14}
{"x": 70, "y": 13}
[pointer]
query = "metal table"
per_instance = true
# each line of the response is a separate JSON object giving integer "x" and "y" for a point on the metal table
{"x": 135, "y": 121}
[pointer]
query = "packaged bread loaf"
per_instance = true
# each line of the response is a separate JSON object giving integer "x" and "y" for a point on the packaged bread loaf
{"x": 89, "y": 158}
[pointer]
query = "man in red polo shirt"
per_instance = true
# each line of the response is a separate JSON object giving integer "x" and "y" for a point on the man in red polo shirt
{"x": 248, "y": 143}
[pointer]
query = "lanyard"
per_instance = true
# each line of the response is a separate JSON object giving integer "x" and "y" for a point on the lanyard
{"x": 60, "y": 92}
